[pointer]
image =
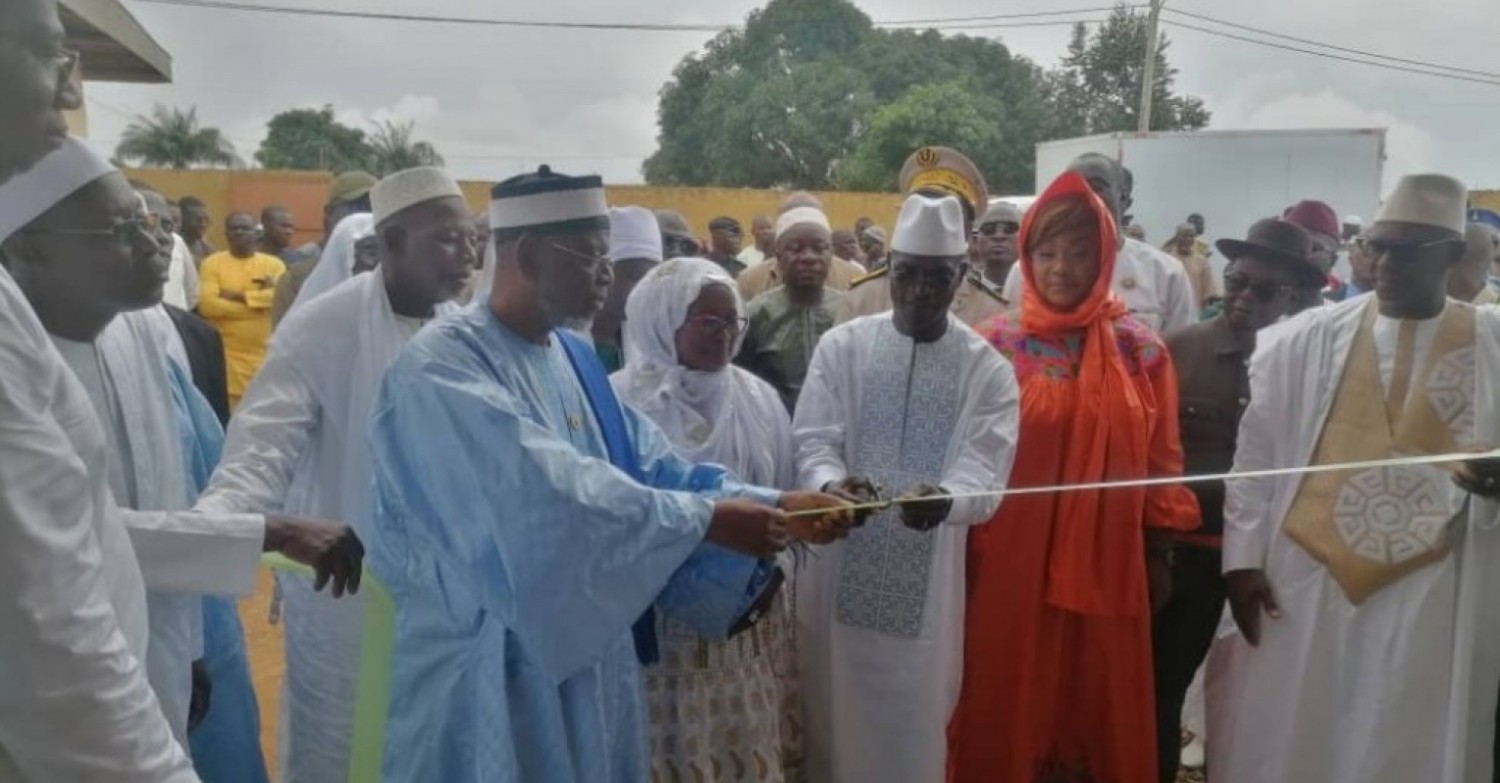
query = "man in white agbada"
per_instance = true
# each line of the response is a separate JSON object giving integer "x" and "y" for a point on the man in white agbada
{"x": 300, "y": 439}
{"x": 914, "y": 402}
{"x": 1378, "y": 655}
{"x": 683, "y": 324}
{"x": 528, "y": 522}
{"x": 1153, "y": 285}
{"x": 95, "y": 290}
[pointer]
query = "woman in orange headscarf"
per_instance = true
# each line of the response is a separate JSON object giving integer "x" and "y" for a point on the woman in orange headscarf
{"x": 1057, "y": 661}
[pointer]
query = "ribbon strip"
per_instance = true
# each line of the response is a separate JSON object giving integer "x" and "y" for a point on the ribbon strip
{"x": 1431, "y": 459}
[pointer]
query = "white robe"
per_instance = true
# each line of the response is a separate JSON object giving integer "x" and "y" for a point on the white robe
{"x": 124, "y": 372}
{"x": 299, "y": 443}
{"x": 1401, "y": 688}
{"x": 181, "y": 290}
{"x": 1153, "y": 285}
{"x": 74, "y": 702}
{"x": 881, "y": 615}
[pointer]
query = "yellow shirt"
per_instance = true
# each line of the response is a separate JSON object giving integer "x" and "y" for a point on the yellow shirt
{"x": 245, "y": 326}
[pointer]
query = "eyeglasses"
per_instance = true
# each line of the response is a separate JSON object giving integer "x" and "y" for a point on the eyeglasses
{"x": 1234, "y": 285}
{"x": 63, "y": 58}
{"x": 1375, "y": 248}
{"x": 679, "y": 246}
{"x": 713, "y": 326}
{"x": 600, "y": 259}
{"x": 125, "y": 232}
{"x": 999, "y": 227}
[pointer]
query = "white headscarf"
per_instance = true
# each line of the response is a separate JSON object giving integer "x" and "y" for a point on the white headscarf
{"x": 337, "y": 263}
{"x": 728, "y": 417}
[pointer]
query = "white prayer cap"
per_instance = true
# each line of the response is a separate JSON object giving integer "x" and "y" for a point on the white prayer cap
{"x": 798, "y": 216}
{"x": 633, "y": 233}
{"x": 547, "y": 203}
{"x": 28, "y": 195}
{"x": 1434, "y": 200}
{"x": 409, "y": 188}
{"x": 930, "y": 227}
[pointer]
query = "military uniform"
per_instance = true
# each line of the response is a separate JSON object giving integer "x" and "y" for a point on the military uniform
{"x": 975, "y": 302}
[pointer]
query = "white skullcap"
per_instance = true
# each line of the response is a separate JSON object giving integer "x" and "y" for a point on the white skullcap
{"x": 634, "y": 233}
{"x": 1430, "y": 200}
{"x": 930, "y": 227}
{"x": 28, "y": 195}
{"x": 798, "y": 216}
{"x": 409, "y": 188}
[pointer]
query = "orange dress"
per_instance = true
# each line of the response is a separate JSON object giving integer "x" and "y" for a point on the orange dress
{"x": 1057, "y": 681}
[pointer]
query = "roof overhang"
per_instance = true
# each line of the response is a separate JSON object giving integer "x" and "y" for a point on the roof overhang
{"x": 113, "y": 45}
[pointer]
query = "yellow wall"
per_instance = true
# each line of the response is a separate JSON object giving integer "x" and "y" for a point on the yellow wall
{"x": 1485, "y": 199}
{"x": 305, "y": 192}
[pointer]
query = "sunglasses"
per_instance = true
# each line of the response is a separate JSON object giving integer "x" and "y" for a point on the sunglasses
{"x": 713, "y": 326}
{"x": 681, "y": 246}
{"x": 997, "y": 228}
{"x": 1375, "y": 248}
{"x": 1234, "y": 285}
{"x": 125, "y": 232}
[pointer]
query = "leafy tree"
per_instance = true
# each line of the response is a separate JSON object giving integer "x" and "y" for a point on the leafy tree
{"x": 795, "y": 98}
{"x": 171, "y": 138}
{"x": 312, "y": 140}
{"x": 392, "y": 149}
{"x": 1097, "y": 89}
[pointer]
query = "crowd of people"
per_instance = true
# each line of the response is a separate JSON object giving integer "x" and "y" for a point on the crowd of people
{"x": 974, "y": 497}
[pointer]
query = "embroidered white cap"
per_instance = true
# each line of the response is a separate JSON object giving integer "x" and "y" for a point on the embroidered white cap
{"x": 1433, "y": 200}
{"x": 930, "y": 227}
{"x": 408, "y": 188}
{"x": 28, "y": 195}
{"x": 801, "y": 216}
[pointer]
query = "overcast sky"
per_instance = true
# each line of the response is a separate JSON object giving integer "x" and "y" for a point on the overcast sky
{"x": 500, "y": 100}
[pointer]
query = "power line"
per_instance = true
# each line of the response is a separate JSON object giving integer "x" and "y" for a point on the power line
{"x": 954, "y": 22}
{"x": 1331, "y": 56}
{"x": 1335, "y": 47}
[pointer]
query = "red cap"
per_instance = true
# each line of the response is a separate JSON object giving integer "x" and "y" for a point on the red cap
{"x": 1314, "y": 216}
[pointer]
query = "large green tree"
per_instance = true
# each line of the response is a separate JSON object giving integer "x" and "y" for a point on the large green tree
{"x": 1097, "y": 88}
{"x": 312, "y": 140}
{"x": 171, "y": 138}
{"x": 810, "y": 94}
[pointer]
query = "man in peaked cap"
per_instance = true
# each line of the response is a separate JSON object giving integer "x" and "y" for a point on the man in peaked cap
{"x": 299, "y": 439}
{"x": 936, "y": 172}
{"x": 913, "y": 400}
{"x": 528, "y": 523}
{"x": 349, "y": 194}
{"x": 1368, "y": 648}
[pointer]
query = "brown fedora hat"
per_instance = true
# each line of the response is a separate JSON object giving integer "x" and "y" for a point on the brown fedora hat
{"x": 1275, "y": 239}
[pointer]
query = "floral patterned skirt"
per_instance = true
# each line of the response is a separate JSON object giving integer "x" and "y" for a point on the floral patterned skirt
{"x": 726, "y": 712}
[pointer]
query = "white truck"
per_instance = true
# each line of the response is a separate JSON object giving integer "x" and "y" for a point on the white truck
{"x": 1233, "y": 178}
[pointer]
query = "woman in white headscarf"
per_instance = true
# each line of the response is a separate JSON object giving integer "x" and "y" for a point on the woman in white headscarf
{"x": 340, "y": 260}
{"x": 721, "y": 710}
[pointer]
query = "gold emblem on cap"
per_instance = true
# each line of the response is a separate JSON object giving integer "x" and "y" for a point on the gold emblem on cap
{"x": 927, "y": 157}
{"x": 1128, "y": 283}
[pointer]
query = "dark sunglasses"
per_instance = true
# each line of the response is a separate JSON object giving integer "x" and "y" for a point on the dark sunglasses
{"x": 1375, "y": 248}
{"x": 681, "y": 246}
{"x": 713, "y": 326}
{"x": 125, "y": 232}
{"x": 1234, "y": 285}
{"x": 1000, "y": 227}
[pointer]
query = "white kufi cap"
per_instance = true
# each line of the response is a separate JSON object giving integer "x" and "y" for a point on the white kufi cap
{"x": 409, "y": 188}
{"x": 634, "y": 233}
{"x": 798, "y": 216}
{"x": 1433, "y": 200}
{"x": 930, "y": 227}
{"x": 28, "y": 195}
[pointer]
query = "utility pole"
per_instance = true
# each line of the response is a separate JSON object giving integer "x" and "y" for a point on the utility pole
{"x": 1148, "y": 68}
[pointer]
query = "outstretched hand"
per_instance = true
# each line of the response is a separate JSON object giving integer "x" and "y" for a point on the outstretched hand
{"x": 824, "y": 528}
{"x": 331, "y": 549}
{"x": 858, "y": 490}
{"x": 748, "y": 528}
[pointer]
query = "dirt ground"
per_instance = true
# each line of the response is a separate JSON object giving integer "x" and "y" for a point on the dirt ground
{"x": 263, "y": 642}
